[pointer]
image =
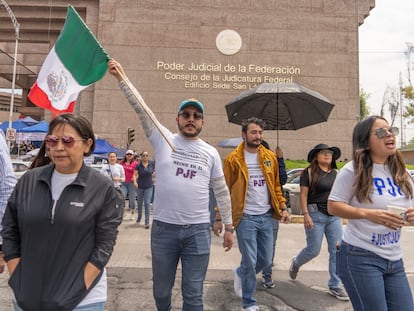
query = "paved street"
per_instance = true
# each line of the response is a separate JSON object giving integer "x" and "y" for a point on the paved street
{"x": 130, "y": 285}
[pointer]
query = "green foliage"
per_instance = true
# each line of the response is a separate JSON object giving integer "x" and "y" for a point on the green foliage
{"x": 290, "y": 164}
{"x": 408, "y": 93}
{"x": 363, "y": 107}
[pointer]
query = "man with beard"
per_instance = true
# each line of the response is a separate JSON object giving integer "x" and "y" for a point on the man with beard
{"x": 181, "y": 224}
{"x": 252, "y": 175}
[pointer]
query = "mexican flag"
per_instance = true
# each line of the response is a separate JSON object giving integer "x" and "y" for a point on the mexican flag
{"x": 76, "y": 61}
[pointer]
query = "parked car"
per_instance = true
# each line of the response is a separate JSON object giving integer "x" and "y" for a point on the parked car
{"x": 291, "y": 192}
{"x": 411, "y": 173}
{"x": 294, "y": 172}
{"x": 20, "y": 167}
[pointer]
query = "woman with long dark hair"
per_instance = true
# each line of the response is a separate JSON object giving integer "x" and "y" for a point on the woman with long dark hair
{"x": 315, "y": 184}
{"x": 370, "y": 257}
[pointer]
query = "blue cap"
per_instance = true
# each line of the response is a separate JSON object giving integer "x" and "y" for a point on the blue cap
{"x": 191, "y": 102}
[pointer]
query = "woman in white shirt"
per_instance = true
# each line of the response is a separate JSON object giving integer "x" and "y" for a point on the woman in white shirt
{"x": 369, "y": 261}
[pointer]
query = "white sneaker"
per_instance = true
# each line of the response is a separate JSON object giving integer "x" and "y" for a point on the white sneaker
{"x": 251, "y": 308}
{"x": 237, "y": 284}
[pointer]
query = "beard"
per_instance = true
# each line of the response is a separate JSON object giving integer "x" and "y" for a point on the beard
{"x": 189, "y": 135}
{"x": 252, "y": 144}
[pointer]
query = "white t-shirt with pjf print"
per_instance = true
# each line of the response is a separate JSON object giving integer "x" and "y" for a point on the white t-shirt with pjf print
{"x": 183, "y": 177}
{"x": 363, "y": 233}
{"x": 257, "y": 198}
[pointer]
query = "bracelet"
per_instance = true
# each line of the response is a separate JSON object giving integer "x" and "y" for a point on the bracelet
{"x": 218, "y": 219}
{"x": 304, "y": 213}
{"x": 227, "y": 229}
{"x": 283, "y": 209}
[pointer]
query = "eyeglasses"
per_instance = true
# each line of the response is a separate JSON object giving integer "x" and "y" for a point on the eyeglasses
{"x": 187, "y": 115}
{"x": 67, "y": 141}
{"x": 383, "y": 131}
{"x": 326, "y": 152}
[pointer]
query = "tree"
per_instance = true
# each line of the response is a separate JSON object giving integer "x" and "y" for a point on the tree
{"x": 363, "y": 107}
{"x": 408, "y": 93}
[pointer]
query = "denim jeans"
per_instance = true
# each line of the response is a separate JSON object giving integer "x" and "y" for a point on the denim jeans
{"x": 268, "y": 269}
{"x": 169, "y": 244}
{"x": 98, "y": 306}
{"x": 372, "y": 282}
{"x": 144, "y": 197}
{"x": 128, "y": 188}
{"x": 255, "y": 239}
{"x": 331, "y": 226}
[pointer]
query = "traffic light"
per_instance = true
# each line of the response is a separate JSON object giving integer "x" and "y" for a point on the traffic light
{"x": 130, "y": 136}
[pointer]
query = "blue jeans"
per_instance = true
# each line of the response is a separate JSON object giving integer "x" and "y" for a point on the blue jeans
{"x": 268, "y": 269}
{"x": 255, "y": 239}
{"x": 144, "y": 197}
{"x": 372, "y": 282}
{"x": 99, "y": 306}
{"x": 169, "y": 244}
{"x": 128, "y": 188}
{"x": 331, "y": 226}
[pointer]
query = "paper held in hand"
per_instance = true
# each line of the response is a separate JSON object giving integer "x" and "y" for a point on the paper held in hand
{"x": 398, "y": 210}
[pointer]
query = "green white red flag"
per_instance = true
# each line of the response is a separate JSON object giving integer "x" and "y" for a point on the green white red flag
{"x": 76, "y": 61}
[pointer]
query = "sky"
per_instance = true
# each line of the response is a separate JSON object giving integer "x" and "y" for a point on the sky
{"x": 382, "y": 46}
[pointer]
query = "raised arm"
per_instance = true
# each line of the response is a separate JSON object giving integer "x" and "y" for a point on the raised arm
{"x": 145, "y": 114}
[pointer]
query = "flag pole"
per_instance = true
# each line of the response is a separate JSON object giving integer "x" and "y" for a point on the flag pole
{"x": 144, "y": 107}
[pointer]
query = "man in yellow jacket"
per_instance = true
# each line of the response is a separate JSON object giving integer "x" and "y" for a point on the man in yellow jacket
{"x": 252, "y": 175}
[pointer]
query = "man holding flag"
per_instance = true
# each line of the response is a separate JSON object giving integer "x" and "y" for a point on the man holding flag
{"x": 186, "y": 168}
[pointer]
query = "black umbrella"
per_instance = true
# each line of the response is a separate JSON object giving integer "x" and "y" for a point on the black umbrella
{"x": 283, "y": 106}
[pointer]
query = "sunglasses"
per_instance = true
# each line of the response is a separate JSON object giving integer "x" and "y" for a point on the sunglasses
{"x": 186, "y": 115}
{"x": 67, "y": 141}
{"x": 129, "y": 154}
{"x": 326, "y": 152}
{"x": 383, "y": 131}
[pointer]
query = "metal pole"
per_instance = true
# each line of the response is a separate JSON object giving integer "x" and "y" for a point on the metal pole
{"x": 13, "y": 82}
{"x": 16, "y": 26}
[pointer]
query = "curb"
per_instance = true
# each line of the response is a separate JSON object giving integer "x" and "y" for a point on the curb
{"x": 298, "y": 219}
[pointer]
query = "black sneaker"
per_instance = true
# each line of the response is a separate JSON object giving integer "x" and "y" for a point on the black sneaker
{"x": 339, "y": 293}
{"x": 268, "y": 282}
{"x": 293, "y": 270}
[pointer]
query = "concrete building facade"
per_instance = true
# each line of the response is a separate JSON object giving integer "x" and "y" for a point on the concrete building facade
{"x": 208, "y": 49}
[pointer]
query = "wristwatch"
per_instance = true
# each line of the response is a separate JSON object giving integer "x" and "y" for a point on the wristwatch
{"x": 227, "y": 229}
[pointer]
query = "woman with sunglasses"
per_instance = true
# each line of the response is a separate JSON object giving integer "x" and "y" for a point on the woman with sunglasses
{"x": 315, "y": 184}
{"x": 370, "y": 257}
{"x": 60, "y": 226}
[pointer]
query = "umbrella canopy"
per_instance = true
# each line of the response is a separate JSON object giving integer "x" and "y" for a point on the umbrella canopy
{"x": 230, "y": 142}
{"x": 283, "y": 106}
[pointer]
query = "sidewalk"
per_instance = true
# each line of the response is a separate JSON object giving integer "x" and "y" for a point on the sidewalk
{"x": 130, "y": 284}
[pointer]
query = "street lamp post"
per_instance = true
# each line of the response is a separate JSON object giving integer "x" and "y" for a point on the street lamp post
{"x": 16, "y": 26}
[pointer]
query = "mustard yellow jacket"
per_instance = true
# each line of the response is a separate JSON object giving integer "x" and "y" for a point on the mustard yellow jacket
{"x": 236, "y": 174}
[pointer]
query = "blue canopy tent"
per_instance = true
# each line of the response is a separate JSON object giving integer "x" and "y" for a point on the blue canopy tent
{"x": 103, "y": 146}
{"x": 29, "y": 121}
{"x": 35, "y": 132}
{"x": 19, "y": 124}
{"x": 41, "y": 127}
